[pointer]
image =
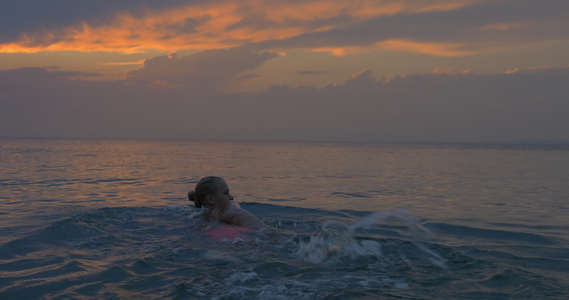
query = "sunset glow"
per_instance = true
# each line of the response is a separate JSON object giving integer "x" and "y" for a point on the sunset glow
{"x": 216, "y": 25}
{"x": 247, "y": 50}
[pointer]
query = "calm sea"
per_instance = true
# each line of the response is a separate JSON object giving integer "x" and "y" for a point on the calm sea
{"x": 109, "y": 219}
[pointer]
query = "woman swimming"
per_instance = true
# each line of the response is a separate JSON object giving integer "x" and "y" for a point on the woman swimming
{"x": 213, "y": 193}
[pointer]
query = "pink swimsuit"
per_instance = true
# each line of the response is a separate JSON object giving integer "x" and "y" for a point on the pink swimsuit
{"x": 227, "y": 232}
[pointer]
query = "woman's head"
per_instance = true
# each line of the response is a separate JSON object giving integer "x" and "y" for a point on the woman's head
{"x": 206, "y": 186}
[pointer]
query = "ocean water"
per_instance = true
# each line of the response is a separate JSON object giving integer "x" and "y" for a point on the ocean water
{"x": 109, "y": 219}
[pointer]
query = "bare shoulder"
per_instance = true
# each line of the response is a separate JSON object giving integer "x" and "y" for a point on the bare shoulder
{"x": 241, "y": 217}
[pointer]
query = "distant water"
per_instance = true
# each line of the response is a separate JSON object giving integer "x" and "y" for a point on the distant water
{"x": 109, "y": 219}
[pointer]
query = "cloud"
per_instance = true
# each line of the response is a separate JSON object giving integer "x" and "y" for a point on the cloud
{"x": 447, "y": 28}
{"x": 175, "y": 96}
{"x": 177, "y": 25}
{"x": 30, "y": 17}
{"x": 471, "y": 28}
{"x": 205, "y": 70}
{"x": 311, "y": 72}
{"x": 525, "y": 105}
{"x": 427, "y": 107}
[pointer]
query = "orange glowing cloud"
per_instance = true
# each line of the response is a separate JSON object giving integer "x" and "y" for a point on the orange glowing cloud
{"x": 128, "y": 63}
{"x": 438, "y": 49}
{"x": 442, "y": 70}
{"x": 223, "y": 24}
{"x": 502, "y": 26}
{"x": 533, "y": 70}
{"x": 340, "y": 51}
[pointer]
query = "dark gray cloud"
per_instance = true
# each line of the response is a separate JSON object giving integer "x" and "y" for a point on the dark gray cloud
{"x": 30, "y": 16}
{"x": 529, "y": 105}
{"x": 426, "y": 107}
{"x": 204, "y": 70}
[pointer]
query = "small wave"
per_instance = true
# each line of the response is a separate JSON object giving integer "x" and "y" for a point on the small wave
{"x": 350, "y": 195}
{"x": 472, "y": 232}
{"x": 138, "y": 252}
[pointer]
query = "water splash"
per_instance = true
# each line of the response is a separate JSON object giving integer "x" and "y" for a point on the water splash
{"x": 337, "y": 241}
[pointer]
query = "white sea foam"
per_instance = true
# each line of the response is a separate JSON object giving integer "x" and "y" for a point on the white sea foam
{"x": 337, "y": 241}
{"x": 217, "y": 255}
{"x": 240, "y": 278}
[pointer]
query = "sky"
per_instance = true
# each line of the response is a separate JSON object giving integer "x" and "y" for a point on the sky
{"x": 286, "y": 70}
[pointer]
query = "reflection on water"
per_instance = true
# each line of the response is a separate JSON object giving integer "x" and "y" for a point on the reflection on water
{"x": 108, "y": 218}
{"x": 486, "y": 182}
